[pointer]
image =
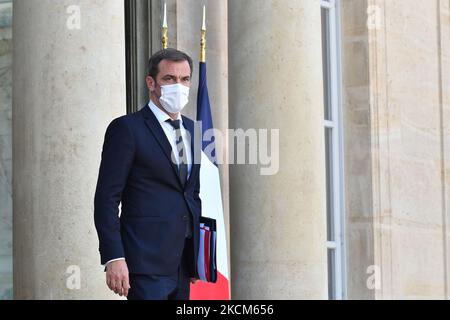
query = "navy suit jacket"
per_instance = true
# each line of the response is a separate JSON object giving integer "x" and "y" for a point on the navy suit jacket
{"x": 136, "y": 170}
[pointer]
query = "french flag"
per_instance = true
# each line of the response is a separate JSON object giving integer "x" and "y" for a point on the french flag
{"x": 210, "y": 193}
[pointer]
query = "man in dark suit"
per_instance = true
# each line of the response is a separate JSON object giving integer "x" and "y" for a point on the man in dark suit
{"x": 150, "y": 251}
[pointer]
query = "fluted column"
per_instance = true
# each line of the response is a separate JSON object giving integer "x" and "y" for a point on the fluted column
{"x": 278, "y": 222}
{"x": 69, "y": 82}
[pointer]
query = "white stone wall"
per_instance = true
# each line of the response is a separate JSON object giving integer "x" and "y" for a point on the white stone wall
{"x": 409, "y": 84}
{"x": 396, "y": 57}
{"x": 5, "y": 150}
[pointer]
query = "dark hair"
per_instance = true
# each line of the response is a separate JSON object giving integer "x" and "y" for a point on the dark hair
{"x": 167, "y": 54}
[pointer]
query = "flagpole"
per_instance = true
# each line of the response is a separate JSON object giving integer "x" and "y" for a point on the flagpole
{"x": 203, "y": 38}
{"x": 211, "y": 194}
{"x": 164, "y": 38}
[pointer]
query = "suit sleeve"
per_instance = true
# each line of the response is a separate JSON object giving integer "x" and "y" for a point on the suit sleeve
{"x": 117, "y": 159}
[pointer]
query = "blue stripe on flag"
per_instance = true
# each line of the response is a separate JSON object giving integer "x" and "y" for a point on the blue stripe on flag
{"x": 204, "y": 113}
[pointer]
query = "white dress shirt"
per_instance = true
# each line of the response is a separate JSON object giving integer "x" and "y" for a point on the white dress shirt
{"x": 172, "y": 138}
{"x": 171, "y": 134}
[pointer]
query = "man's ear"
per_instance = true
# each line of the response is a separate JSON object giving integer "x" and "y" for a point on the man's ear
{"x": 150, "y": 83}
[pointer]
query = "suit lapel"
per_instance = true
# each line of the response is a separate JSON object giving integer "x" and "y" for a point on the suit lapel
{"x": 152, "y": 123}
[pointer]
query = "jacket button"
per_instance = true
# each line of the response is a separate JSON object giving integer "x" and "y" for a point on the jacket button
{"x": 185, "y": 218}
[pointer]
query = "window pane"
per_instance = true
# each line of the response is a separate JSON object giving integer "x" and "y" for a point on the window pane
{"x": 329, "y": 183}
{"x": 326, "y": 63}
{"x": 6, "y": 207}
{"x": 331, "y": 274}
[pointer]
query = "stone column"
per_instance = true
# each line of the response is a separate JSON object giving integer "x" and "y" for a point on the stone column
{"x": 69, "y": 83}
{"x": 278, "y": 222}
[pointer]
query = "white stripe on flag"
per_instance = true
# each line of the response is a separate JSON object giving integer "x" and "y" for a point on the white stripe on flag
{"x": 212, "y": 208}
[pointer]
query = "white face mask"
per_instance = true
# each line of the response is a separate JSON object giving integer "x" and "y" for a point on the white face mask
{"x": 174, "y": 97}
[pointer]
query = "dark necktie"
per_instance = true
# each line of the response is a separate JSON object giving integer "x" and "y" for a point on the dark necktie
{"x": 181, "y": 149}
{"x": 182, "y": 170}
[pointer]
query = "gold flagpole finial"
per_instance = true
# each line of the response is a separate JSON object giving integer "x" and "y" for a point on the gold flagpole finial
{"x": 165, "y": 29}
{"x": 203, "y": 39}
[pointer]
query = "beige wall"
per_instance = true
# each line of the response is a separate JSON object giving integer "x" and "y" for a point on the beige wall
{"x": 396, "y": 106}
{"x": 444, "y": 65}
{"x": 410, "y": 223}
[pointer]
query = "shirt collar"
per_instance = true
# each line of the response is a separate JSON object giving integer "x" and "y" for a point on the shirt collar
{"x": 161, "y": 115}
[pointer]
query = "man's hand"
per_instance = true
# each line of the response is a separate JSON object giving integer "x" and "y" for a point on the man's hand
{"x": 117, "y": 277}
{"x": 194, "y": 280}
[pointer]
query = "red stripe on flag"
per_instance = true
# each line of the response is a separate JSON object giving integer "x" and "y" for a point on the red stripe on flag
{"x": 211, "y": 291}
